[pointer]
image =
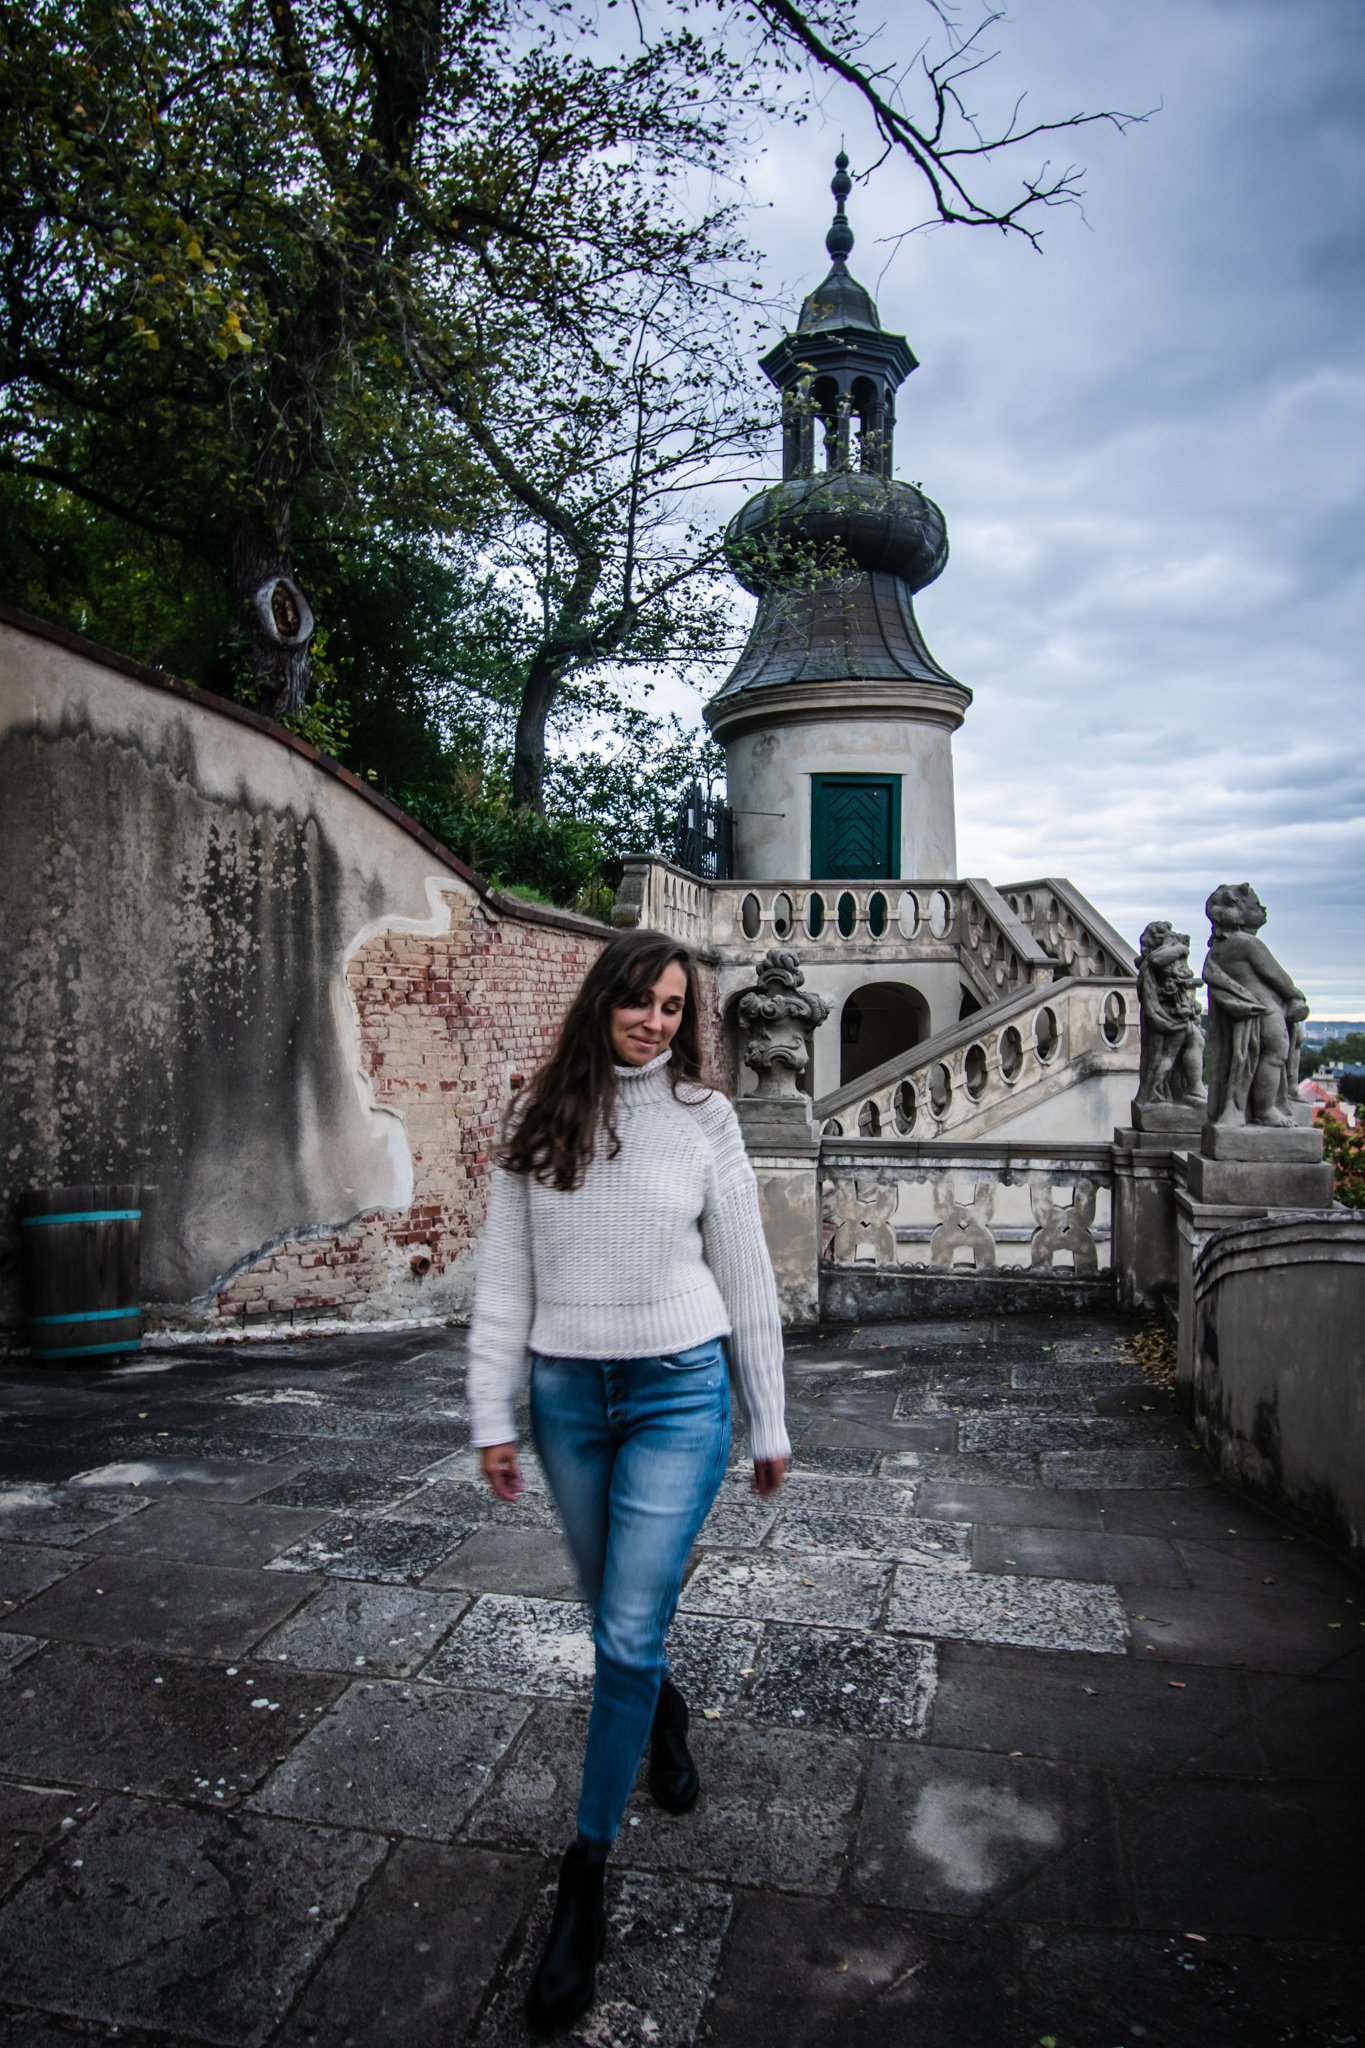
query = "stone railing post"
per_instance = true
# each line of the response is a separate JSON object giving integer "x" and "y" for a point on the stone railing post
{"x": 778, "y": 1020}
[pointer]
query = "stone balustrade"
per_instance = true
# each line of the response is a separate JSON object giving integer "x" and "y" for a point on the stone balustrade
{"x": 1070, "y": 930}
{"x": 909, "y": 1227}
{"x": 979, "y": 1074}
{"x": 968, "y": 921}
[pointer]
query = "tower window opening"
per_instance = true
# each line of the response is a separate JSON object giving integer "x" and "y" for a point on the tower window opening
{"x": 874, "y": 427}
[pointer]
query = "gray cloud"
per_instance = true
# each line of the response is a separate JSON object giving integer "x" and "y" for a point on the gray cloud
{"x": 1148, "y": 443}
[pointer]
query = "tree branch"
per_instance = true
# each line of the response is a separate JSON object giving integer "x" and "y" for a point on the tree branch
{"x": 932, "y": 157}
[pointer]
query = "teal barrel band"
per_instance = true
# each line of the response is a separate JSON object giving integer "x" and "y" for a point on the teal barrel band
{"x": 89, "y": 1350}
{"x": 85, "y": 1216}
{"x": 85, "y": 1315}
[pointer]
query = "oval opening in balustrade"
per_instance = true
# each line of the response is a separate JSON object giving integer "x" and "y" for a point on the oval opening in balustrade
{"x": 907, "y": 914}
{"x": 904, "y": 1108}
{"x": 1046, "y": 1036}
{"x": 878, "y": 915}
{"x": 847, "y": 915}
{"x": 782, "y": 917}
{"x": 1028, "y": 910}
{"x": 815, "y": 915}
{"x": 975, "y": 1072}
{"x": 869, "y": 1121}
{"x": 1014, "y": 967}
{"x": 751, "y": 916}
{"x": 1115, "y": 1018}
{"x": 1011, "y": 1053}
{"x": 831, "y": 1128}
{"x": 940, "y": 1089}
{"x": 940, "y": 914}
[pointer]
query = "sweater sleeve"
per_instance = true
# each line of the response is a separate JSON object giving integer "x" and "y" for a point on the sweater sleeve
{"x": 737, "y": 1253}
{"x": 504, "y": 1309}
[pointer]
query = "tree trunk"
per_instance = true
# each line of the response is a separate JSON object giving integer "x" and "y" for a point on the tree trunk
{"x": 528, "y": 753}
{"x": 271, "y": 613}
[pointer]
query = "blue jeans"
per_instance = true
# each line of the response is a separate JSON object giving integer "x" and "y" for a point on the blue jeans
{"x": 634, "y": 1450}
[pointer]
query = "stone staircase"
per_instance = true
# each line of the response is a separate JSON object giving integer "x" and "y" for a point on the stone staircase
{"x": 1004, "y": 1064}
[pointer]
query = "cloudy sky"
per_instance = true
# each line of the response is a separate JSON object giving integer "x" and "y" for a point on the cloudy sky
{"x": 1148, "y": 443}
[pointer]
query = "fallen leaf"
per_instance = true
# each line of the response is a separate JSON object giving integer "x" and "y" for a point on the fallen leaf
{"x": 710, "y": 1713}
{"x": 1016, "y": 1752}
{"x": 1267, "y": 1582}
{"x": 839, "y": 1968}
{"x": 1093, "y": 1691}
{"x": 808, "y": 1582}
{"x": 1178, "y": 1683}
{"x": 1196, "y": 1937}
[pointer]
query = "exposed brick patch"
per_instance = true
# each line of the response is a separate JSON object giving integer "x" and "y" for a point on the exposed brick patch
{"x": 444, "y": 1024}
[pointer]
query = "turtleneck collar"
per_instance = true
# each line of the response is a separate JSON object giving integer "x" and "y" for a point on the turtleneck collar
{"x": 654, "y": 1066}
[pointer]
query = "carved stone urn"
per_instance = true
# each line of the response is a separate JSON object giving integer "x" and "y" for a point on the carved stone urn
{"x": 777, "y": 1021}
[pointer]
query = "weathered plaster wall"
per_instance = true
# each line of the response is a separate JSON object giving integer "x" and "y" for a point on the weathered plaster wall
{"x": 770, "y": 771}
{"x": 236, "y": 978}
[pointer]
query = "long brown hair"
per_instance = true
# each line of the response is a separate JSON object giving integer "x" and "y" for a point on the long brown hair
{"x": 570, "y": 1101}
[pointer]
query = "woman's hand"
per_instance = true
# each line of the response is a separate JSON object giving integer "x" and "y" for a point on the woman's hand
{"x": 768, "y": 1474}
{"x": 501, "y": 1470}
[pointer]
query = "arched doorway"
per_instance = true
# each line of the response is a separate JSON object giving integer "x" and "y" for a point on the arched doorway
{"x": 877, "y": 1022}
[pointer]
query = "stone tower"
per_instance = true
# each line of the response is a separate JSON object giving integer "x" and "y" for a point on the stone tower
{"x": 836, "y": 721}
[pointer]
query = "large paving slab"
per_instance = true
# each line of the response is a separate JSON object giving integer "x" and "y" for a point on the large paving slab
{"x": 378, "y": 1547}
{"x": 229, "y": 1479}
{"x": 981, "y": 1607}
{"x": 387, "y": 1631}
{"x": 407, "y": 1759}
{"x": 148, "y": 1603}
{"x": 413, "y": 1966}
{"x": 81, "y": 1715}
{"x": 537, "y": 1647}
{"x": 909, "y": 1539}
{"x": 851, "y": 1684}
{"x": 949, "y": 1831}
{"x": 842, "y": 1592}
{"x": 207, "y": 1532}
{"x": 178, "y": 1920}
{"x": 52, "y": 1515}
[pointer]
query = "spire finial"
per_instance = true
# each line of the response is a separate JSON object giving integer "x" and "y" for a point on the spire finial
{"x": 839, "y": 240}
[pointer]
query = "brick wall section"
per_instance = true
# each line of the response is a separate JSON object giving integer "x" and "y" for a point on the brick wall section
{"x": 444, "y": 1024}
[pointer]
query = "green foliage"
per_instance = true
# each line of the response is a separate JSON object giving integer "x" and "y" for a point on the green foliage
{"x": 1346, "y": 1150}
{"x": 556, "y": 858}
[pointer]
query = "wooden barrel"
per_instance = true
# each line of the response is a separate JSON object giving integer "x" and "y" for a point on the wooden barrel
{"x": 81, "y": 1270}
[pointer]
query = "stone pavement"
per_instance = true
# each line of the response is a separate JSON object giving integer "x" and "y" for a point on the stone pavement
{"x": 1013, "y": 1728}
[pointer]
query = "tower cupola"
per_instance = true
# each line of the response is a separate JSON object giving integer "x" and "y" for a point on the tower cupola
{"x": 836, "y": 704}
{"x": 840, "y": 372}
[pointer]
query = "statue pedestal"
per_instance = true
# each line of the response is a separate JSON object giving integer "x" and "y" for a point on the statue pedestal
{"x": 1259, "y": 1166}
{"x": 1179, "y": 1122}
{"x": 784, "y": 1152}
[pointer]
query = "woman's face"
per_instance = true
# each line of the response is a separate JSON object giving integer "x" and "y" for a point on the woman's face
{"x": 640, "y": 1030}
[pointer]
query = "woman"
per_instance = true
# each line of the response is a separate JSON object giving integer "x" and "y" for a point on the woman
{"x": 623, "y": 1243}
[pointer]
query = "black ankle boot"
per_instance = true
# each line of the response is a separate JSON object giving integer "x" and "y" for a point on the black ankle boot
{"x": 674, "y": 1782}
{"x": 565, "y": 1982}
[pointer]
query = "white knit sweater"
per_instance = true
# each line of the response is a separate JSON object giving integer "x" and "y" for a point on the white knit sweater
{"x": 660, "y": 1249}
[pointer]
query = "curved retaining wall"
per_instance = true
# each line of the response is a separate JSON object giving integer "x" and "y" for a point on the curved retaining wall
{"x": 1279, "y": 1363}
{"x": 238, "y": 976}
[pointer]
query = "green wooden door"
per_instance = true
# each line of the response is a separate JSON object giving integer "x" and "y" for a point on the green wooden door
{"x": 855, "y": 827}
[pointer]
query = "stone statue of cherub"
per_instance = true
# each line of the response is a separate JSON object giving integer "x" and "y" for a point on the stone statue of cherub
{"x": 1256, "y": 1016}
{"x": 1172, "y": 1057}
